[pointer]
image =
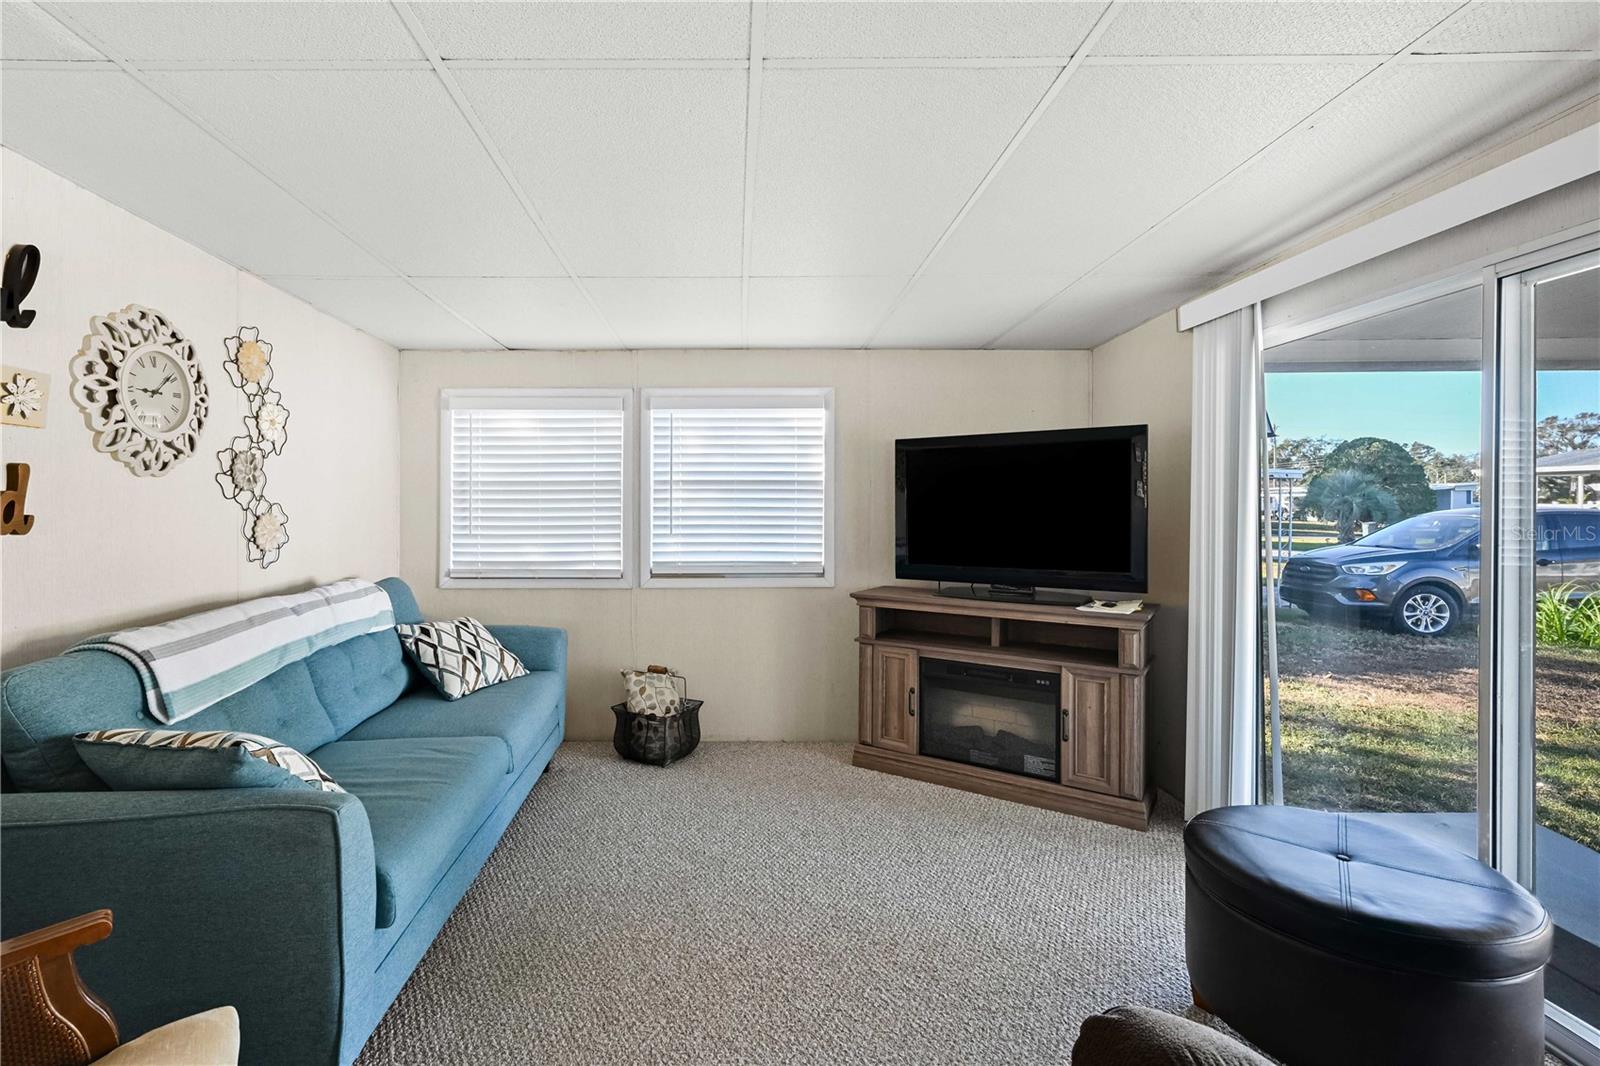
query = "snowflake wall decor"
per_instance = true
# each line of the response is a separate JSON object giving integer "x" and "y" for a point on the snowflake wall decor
{"x": 243, "y": 472}
{"x": 24, "y": 396}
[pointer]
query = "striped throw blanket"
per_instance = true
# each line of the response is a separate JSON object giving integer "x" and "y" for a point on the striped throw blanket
{"x": 187, "y": 665}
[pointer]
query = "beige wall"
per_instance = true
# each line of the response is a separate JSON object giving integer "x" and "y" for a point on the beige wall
{"x": 1144, "y": 376}
{"x": 109, "y": 549}
{"x": 771, "y": 664}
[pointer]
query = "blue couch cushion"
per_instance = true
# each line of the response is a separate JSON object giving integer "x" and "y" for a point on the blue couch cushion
{"x": 424, "y": 797}
{"x": 520, "y": 712}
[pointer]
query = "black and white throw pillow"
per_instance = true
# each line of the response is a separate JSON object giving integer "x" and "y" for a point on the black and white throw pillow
{"x": 460, "y": 656}
{"x": 142, "y": 759}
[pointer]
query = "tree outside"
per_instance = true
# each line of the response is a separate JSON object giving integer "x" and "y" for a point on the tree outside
{"x": 1348, "y": 498}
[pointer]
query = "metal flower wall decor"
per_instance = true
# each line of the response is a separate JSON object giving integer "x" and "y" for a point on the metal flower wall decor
{"x": 243, "y": 473}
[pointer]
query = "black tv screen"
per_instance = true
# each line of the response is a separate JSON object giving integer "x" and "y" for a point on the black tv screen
{"x": 1061, "y": 508}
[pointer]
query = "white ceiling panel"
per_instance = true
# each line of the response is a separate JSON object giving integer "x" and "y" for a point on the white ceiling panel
{"x": 927, "y": 30}
{"x": 524, "y": 312}
{"x": 121, "y": 142}
{"x": 26, "y": 32}
{"x": 1384, "y": 130}
{"x": 635, "y": 171}
{"x": 387, "y": 308}
{"x": 1120, "y": 148}
{"x": 1519, "y": 27}
{"x": 1098, "y": 308}
{"x": 384, "y": 152}
{"x": 1233, "y": 29}
{"x": 588, "y": 30}
{"x": 671, "y": 312}
{"x": 812, "y": 312}
{"x": 964, "y": 310}
{"x": 859, "y": 171}
{"x": 246, "y": 31}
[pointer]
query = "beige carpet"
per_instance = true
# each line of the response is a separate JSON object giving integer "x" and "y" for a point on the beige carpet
{"x": 769, "y": 903}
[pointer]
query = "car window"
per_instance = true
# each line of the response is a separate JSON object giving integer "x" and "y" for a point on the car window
{"x": 1424, "y": 532}
{"x": 1578, "y": 532}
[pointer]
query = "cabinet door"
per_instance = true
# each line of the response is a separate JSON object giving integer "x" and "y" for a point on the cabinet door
{"x": 894, "y": 699}
{"x": 1091, "y": 731}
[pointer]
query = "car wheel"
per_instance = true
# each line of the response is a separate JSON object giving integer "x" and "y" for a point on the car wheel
{"x": 1426, "y": 612}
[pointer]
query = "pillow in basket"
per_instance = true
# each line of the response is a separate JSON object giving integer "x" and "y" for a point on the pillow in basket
{"x": 157, "y": 759}
{"x": 653, "y": 691}
{"x": 460, "y": 656}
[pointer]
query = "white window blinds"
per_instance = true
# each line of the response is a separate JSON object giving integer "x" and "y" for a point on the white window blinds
{"x": 737, "y": 484}
{"x": 536, "y": 486}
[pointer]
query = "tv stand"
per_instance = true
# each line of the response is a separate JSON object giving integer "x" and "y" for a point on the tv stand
{"x": 1103, "y": 661}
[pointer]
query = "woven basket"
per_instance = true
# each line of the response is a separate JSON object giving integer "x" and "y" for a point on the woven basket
{"x": 655, "y": 740}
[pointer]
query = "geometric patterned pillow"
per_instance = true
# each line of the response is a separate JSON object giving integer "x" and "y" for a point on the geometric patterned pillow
{"x": 460, "y": 656}
{"x": 142, "y": 759}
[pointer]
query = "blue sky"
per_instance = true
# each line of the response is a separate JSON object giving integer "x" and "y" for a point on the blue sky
{"x": 1440, "y": 408}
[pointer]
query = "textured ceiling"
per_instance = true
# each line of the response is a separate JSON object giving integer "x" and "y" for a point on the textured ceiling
{"x": 589, "y": 175}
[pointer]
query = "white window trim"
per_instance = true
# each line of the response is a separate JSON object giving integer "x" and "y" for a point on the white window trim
{"x": 456, "y": 399}
{"x": 731, "y": 398}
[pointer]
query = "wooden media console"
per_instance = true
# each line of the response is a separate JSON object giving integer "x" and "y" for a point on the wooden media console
{"x": 1103, "y": 662}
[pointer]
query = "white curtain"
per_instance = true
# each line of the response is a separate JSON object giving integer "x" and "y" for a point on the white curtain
{"x": 1222, "y": 744}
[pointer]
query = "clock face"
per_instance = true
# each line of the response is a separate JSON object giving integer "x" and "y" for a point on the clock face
{"x": 155, "y": 391}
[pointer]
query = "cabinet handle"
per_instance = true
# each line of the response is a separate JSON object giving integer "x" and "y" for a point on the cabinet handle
{"x": 911, "y": 702}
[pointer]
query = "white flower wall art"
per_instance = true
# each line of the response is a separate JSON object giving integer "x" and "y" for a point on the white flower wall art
{"x": 242, "y": 473}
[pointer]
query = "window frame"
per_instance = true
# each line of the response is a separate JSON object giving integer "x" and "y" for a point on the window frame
{"x": 630, "y": 485}
{"x": 830, "y": 475}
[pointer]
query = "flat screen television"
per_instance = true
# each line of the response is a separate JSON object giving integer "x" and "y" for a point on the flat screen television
{"x": 1064, "y": 508}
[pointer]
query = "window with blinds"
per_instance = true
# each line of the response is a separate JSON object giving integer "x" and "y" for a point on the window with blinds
{"x": 535, "y": 486}
{"x": 738, "y": 485}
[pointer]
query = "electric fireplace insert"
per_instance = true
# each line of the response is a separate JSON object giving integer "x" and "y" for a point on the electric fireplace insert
{"x": 991, "y": 716}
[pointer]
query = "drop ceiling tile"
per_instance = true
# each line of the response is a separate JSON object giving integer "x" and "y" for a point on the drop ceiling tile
{"x": 387, "y": 308}
{"x": 385, "y": 153}
{"x": 246, "y": 31}
{"x": 1375, "y": 138}
{"x": 636, "y": 172}
{"x": 671, "y": 312}
{"x": 817, "y": 312}
{"x": 102, "y": 130}
{"x": 915, "y": 31}
{"x": 524, "y": 312}
{"x": 1101, "y": 307}
{"x": 588, "y": 30}
{"x": 1231, "y": 29}
{"x": 1519, "y": 27}
{"x": 1120, "y": 148}
{"x": 964, "y": 311}
{"x": 859, "y": 171}
{"x": 26, "y": 32}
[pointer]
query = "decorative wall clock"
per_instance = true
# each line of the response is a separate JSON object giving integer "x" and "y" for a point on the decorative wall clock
{"x": 141, "y": 389}
{"x": 243, "y": 474}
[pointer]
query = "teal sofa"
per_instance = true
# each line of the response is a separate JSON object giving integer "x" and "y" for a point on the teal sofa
{"x": 304, "y": 910}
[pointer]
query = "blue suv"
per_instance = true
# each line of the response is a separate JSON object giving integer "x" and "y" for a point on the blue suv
{"x": 1421, "y": 574}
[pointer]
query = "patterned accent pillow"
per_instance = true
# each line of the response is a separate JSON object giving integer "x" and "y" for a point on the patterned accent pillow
{"x": 141, "y": 759}
{"x": 460, "y": 656}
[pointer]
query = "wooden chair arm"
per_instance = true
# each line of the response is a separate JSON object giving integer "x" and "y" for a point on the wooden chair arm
{"x": 49, "y": 1017}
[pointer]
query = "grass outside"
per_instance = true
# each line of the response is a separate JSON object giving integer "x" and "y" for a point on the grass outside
{"x": 1377, "y": 721}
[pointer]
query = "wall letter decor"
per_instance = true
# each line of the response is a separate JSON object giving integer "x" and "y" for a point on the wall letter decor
{"x": 22, "y": 270}
{"x": 14, "y": 501}
{"x": 243, "y": 477}
{"x": 24, "y": 397}
{"x": 141, "y": 389}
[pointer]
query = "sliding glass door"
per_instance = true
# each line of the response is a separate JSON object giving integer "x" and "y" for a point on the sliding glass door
{"x": 1544, "y": 641}
{"x": 1431, "y": 581}
{"x": 1371, "y": 522}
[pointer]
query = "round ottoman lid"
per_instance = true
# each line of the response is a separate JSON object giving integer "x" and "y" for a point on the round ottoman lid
{"x": 1363, "y": 890}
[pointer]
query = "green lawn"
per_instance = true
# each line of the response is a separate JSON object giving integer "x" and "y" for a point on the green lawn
{"x": 1375, "y": 721}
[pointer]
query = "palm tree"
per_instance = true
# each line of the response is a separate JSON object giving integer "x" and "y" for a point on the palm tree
{"x": 1349, "y": 497}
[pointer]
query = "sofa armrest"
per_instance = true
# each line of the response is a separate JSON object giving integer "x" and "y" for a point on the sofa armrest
{"x": 258, "y": 899}
{"x": 539, "y": 647}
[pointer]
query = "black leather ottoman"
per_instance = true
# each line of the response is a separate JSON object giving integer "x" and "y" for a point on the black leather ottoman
{"x": 1332, "y": 941}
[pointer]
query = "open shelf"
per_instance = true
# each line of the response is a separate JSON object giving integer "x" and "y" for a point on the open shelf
{"x": 1023, "y": 654}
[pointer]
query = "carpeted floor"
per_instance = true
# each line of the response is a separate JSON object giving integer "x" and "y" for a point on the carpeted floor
{"x": 769, "y": 903}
